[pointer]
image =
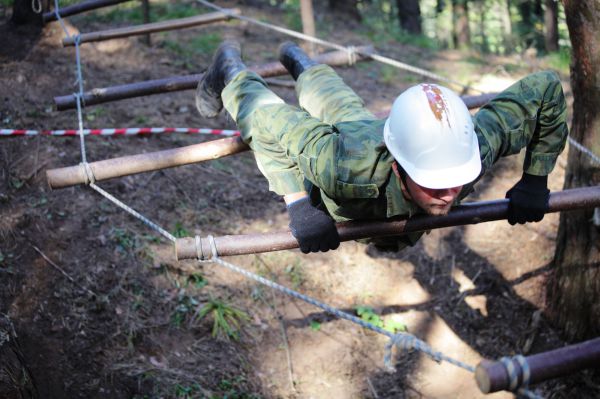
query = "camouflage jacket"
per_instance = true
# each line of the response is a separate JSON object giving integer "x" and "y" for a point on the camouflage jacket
{"x": 345, "y": 156}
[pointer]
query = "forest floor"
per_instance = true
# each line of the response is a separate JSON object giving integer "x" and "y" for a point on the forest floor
{"x": 120, "y": 319}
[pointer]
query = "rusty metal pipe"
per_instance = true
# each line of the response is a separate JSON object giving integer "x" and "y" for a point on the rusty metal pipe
{"x": 161, "y": 26}
{"x": 178, "y": 83}
{"x": 123, "y": 166}
{"x": 491, "y": 376}
{"x": 470, "y": 213}
{"x": 79, "y": 8}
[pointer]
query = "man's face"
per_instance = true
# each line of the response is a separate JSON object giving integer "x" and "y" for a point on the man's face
{"x": 436, "y": 202}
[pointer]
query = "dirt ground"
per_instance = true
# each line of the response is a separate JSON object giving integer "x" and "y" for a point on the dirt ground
{"x": 101, "y": 308}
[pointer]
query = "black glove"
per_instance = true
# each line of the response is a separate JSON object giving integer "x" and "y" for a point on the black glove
{"x": 314, "y": 229}
{"x": 528, "y": 199}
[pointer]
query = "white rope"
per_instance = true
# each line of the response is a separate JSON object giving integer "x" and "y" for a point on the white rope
{"x": 594, "y": 158}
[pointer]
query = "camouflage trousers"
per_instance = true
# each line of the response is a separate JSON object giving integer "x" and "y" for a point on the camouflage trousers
{"x": 279, "y": 133}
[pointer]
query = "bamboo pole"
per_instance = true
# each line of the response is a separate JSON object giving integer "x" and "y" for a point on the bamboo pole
{"x": 491, "y": 376}
{"x": 123, "y": 166}
{"x": 178, "y": 83}
{"x": 161, "y": 26}
{"x": 79, "y": 8}
{"x": 473, "y": 213}
{"x": 132, "y": 164}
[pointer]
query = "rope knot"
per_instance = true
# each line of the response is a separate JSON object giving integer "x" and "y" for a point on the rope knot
{"x": 200, "y": 253}
{"x": 403, "y": 341}
{"x": 352, "y": 57}
{"x": 88, "y": 173}
{"x": 513, "y": 375}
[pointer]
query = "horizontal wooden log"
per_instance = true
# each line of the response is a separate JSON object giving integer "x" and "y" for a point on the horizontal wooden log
{"x": 123, "y": 166}
{"x": 161, "y": 26}
{"x": 79, "y": 8}
{"x": 491, "y": 376}
{"x": 470, "y": 213}
{"x": 178, "y": 83}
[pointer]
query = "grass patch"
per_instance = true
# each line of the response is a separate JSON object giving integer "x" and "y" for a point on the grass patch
{"x": 560, "y": 60}
{"x": 227, "y": 318}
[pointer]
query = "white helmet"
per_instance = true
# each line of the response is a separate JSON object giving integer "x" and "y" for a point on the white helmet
{"x": 430, "y": 133}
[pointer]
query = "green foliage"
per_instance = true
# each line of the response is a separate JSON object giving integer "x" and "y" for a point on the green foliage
{"x": 561, "y": 60}
{"x": 187, "y": 391}
{"x": 205, "y": 44}
{"x": 180, "y": 231}
{"x": 233, "y": 388}
{"x": 226, "y": 318}
{"x": 124, "y": 239}
{"x": 197, "y": 280}
{"x": 185, "y": 306}
{"x": 295, "y": 272}
{"x": 315, "y": 325}
{"x": 188, "y": 53}
{"x": 367, "y": 314}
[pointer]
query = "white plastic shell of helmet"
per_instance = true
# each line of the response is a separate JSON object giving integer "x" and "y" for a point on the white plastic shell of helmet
{"x": 430, "y": 133}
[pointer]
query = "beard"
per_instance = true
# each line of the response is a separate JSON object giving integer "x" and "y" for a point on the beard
{"x": 437, "y": 210}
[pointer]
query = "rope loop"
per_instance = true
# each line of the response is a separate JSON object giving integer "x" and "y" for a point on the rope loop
{"x": 513, "y": 377}
{"x": 199, "y": 251}
{"x": 88, "y": 173}
{"x": 525, "y": 370}
{"x": 36, "y": 6}
{"x": 213, "y": 246}
{"x": 352, "y": 57}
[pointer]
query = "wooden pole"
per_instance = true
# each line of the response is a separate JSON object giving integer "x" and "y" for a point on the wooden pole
{"x": 146, "y": 12}
{"x": 79, "y": 8}
{"x": 178, "y": 83}
{"x": 491, "y": 376}
{"x": 473, "y": 213}
{"x": 308, "y": 24}
{"x": 123, "y": 166}
{"x": 161, "y": 26}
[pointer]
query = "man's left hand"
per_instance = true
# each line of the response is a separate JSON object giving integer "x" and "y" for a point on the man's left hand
{"x": 528, "y": 199}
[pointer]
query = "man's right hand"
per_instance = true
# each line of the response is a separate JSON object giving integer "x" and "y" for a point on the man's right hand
{"x": 314, "y": 229}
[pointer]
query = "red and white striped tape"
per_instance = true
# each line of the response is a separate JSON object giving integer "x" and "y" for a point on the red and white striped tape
{"x": 123, "y": 131}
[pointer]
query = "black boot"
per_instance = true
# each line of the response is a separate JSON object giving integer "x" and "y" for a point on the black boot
{"x": 294, "y": 59}
{"x": 226, "y": 63}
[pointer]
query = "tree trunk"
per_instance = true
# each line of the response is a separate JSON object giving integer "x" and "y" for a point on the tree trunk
{"x": 28, "y": 12}
{"x": 551, "y": 25}
{"x": 574, "y": 288}
{"x": 507, "y": 29}
{"x": 409, "y": 14}
{"x": 460, "y": 18}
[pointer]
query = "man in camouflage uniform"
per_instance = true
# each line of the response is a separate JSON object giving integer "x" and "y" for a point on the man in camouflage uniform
{"x": 333, "y": 148}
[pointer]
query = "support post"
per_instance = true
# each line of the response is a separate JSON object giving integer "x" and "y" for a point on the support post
{"x": 491, "y": 376}
{"x": 146, "y": 12}
{"x": 470, "y": 213}
{"x": 308, "y": 24}
{"x": 178, "y": 83}
{"x": 79, "y": 8}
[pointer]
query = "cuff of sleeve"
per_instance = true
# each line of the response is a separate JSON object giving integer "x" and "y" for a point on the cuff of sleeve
{"x": 286, "y": 182}
{"x": 539, "y": 164}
